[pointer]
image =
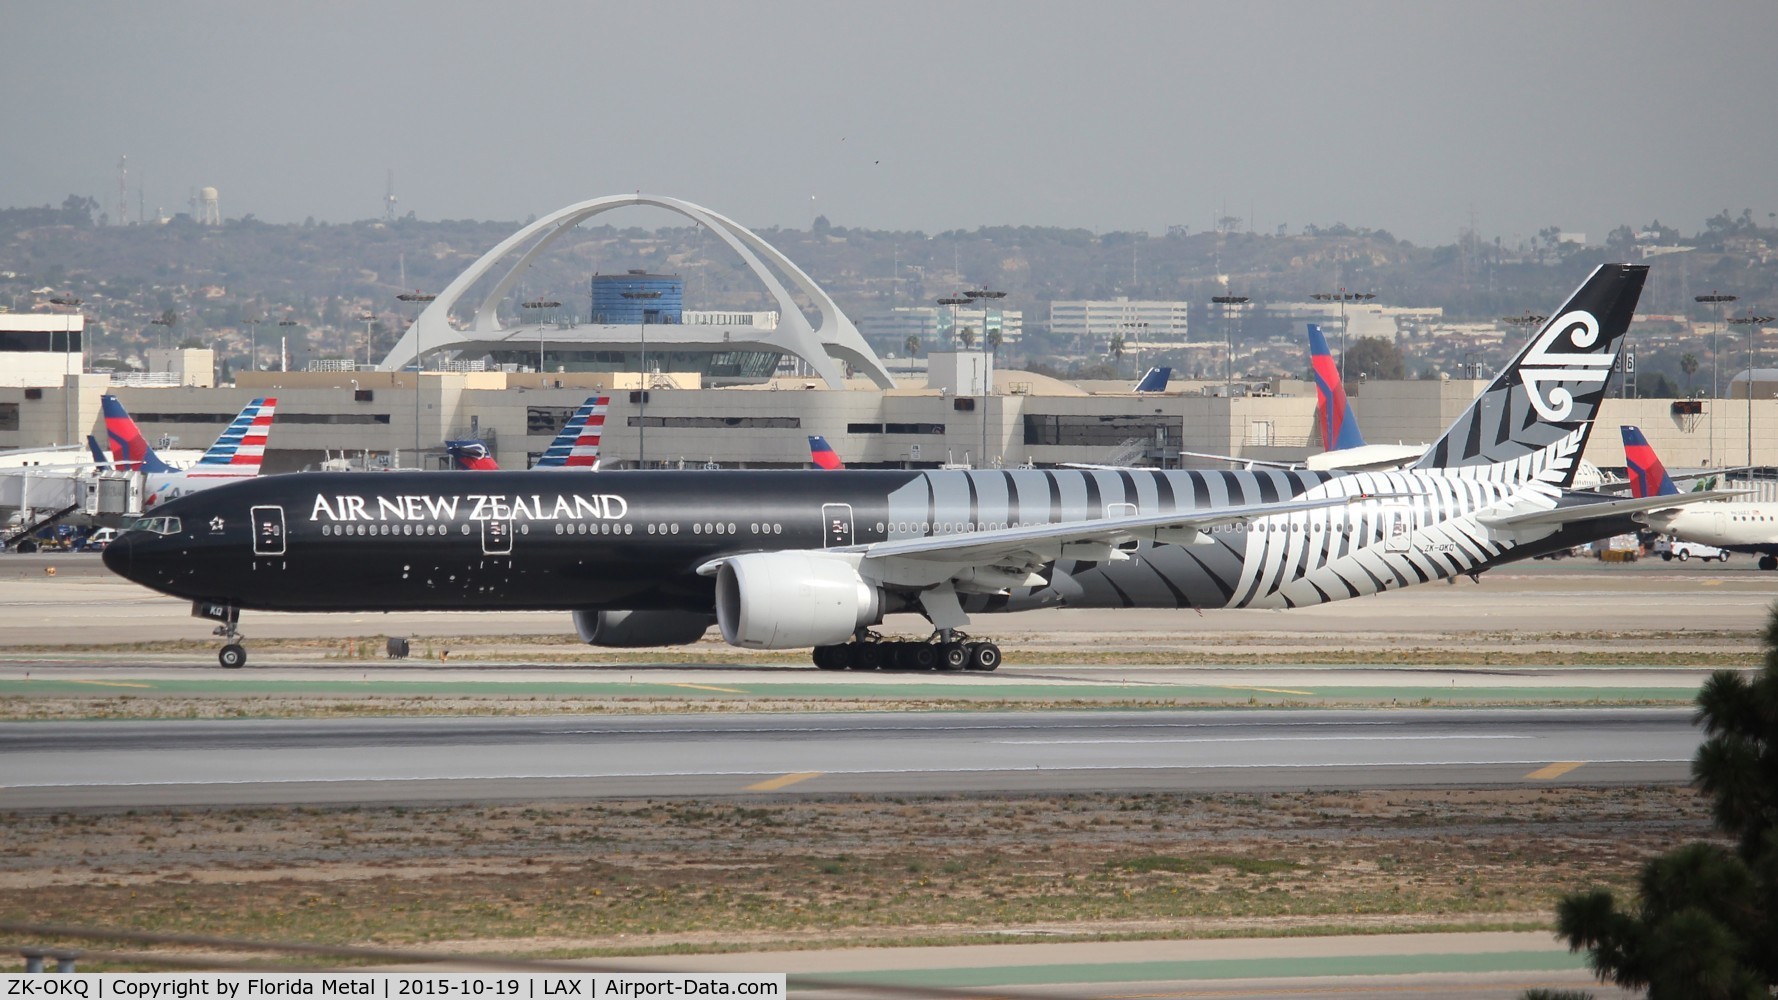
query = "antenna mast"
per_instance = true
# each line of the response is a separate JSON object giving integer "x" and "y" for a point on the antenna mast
{"x": 389, "y": 199}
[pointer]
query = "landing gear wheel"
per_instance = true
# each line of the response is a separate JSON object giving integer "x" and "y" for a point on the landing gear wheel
{"x": 953, "y": 656}
{"x": 868, "y": 656}
{"x": 924, "y": 656}
{"x": 832, "y": 657}
{"x": 233, "y": 656}
{"x": 1768, "y": 562}
{"x": 983, "y": 656}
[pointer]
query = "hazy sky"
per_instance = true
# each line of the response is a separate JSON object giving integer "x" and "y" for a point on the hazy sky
{"x": 1413, "y": 117}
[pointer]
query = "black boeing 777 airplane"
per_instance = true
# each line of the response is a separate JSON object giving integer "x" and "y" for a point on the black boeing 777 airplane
{"x": 798, "y": 559}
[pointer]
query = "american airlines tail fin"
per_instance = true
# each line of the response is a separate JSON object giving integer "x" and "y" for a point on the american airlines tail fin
{"x": 822, "y": 453}
{"x": 1339, "y": 429}
{"x": 240, "y": 449}
{"x": 1648, "y": 477}
{"x": 1154, "y": 380}
{"x": 1532, "y": 421}
{"x": 129, "y": 449}
{"x": 471, "y": 455}
{"x": 577, "y": 447}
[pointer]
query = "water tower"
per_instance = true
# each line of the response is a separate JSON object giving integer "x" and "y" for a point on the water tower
{"x": 212, "y": 211}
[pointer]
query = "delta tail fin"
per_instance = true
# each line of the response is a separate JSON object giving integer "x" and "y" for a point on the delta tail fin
{"x": 129, "y": 449}
{"x": 92, "y": 445}
{"x": 1648, "y": 477}
{"x": 471, "y": 455}
{"x": 822, "y": 453}
{"x": 577, "y": 447}
{"x": 1532, "y": 421}
{"x": 240, "y": 449}
{"x": 1339, "y": 429}
{"x": 1154, "y": 380}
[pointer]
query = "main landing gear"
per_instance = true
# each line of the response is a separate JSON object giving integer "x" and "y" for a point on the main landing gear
{"x": 233, "y": 655}
{"x": 869, "y": 651}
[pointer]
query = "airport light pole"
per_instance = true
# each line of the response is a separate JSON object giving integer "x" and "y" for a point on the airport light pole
{"x": 1227, "y": 304}
{"x": 284, "y": 344}
{"x": 1752, "y": 323}
{"x": 642, "y": 298}
{"x": 1715, "y": 301}
{"x": 1342, "y": 297}
{"x": 253, "y": 342}
{"x": 166, "y": 326}
{"x": 981, "y": 297}
{"x": 1528, "y": 322}
{"x": 68, "y": 393}
{"x": 419, "y": 362}
{"x": 368, "y": 319}
{"x": 534, "y": 305}
{"x": 953, "y": 301}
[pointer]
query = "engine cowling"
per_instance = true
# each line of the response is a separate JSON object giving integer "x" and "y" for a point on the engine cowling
{"x": 636, "y": 629}
{"x": 792, "y": 600}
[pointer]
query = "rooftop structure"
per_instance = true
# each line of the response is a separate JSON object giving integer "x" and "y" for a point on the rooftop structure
{"x": 827, "y": 346}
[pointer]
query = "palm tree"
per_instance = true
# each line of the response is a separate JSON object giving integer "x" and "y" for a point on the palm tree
{"x": 1116, "y": 351}
{"x": 966, "y": 337}
{"x": 913, "y": 345}
{"x": 1688, "y": 363}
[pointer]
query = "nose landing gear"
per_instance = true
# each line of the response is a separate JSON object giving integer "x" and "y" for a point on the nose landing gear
{"x": 233, "y": 655}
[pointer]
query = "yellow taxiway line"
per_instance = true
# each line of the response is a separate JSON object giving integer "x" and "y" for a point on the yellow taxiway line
{"x": 783, "y": 781}
{"x": 1555, "y": 770}
{"x": 1241, "y": 687}
{"x": 707, "y": 687}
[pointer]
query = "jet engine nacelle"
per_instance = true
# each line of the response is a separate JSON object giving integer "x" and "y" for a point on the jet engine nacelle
{"x": 633, "y": 629}
{"x": 792, "y": 600}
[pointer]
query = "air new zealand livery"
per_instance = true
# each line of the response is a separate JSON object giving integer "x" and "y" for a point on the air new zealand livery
{"x": 799, "y": 559}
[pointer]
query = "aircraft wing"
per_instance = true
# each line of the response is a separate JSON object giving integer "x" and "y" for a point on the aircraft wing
{"x": 1609, "y": 508}
{"x": 1245, "y": 463}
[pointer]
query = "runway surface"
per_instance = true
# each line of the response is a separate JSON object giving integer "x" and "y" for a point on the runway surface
{"x": 482, "y": 759}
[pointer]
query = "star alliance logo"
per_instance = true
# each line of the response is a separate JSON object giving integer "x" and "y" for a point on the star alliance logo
{"x": 216, "y": 525}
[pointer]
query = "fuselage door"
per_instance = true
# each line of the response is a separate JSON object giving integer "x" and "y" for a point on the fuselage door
{"x": 836, "y": 519}
{"x": 1398, "y": 528}
{"x": 497, "y": 537}
{"x": 268, "y": 531}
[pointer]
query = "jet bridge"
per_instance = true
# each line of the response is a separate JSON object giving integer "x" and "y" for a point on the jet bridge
{"x": 39, "y": 498}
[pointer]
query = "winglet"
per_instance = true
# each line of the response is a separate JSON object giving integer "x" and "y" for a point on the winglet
{"x": 1648, "y": 477}
{"x": 1339, "y": 429}
{"x": 822, "y": 454}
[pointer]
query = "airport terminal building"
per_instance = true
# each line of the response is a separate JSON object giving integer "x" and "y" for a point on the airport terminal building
{"x": 693, "y": 389}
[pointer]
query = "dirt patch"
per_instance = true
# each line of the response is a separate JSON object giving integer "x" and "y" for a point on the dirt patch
{"x": 670, "y": 875}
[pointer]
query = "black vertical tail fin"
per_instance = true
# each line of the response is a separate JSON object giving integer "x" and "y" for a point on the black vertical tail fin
{"x": 1533, "y": 420}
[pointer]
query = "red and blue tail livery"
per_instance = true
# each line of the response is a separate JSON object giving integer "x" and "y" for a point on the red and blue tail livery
{"x": 129, "y": 449}
{"x": 240, "y": 449}
{"x": 822, "y": 453}
{"x": 1339, "y": 430}
{"x": 577, "y": 447}
{"x": 471, "y": 455}
{"x": 1648, "y": 477}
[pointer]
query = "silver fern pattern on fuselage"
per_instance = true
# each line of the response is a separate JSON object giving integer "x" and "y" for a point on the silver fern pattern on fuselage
{"x": 1426, "y": 529}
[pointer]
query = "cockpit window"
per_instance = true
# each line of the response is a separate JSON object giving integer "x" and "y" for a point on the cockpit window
{"x": 157, "y": 525}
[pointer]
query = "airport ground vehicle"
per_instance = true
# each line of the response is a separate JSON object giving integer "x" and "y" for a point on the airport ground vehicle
{"x": 1670, "y": 548}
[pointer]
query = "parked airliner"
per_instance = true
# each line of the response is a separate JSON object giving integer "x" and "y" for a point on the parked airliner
{"x": 816, "y": 558}
{"x": 1736, "y": 525}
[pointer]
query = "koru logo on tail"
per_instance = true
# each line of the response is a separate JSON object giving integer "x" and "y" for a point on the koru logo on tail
{"x": 1561, "y": 354}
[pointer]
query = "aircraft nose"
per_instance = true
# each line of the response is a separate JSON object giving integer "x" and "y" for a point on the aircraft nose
{"x": 117, "y": 555}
